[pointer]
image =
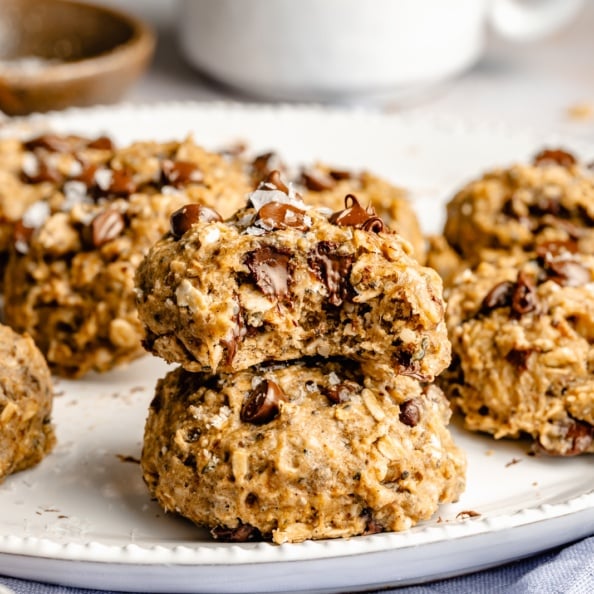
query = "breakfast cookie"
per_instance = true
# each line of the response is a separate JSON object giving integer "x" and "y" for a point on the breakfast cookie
{"x": 308, "y": 449}
{"x": 26, "y": 433}
{"x": 70, "y": 276}
{"x": 522, "y": 333}
{"x": 280, "y": 280}
{"x": 551, "y": 199}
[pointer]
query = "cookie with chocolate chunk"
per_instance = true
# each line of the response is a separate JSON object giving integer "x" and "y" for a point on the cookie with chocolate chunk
{"x": 518, "y": 208}
{"x": 308, "y": 449}
{"x": 74, "y": 252}
{"x": 280, "y": 280}
{"x": 26, "y": 432}
{"x": 522, "y": 337}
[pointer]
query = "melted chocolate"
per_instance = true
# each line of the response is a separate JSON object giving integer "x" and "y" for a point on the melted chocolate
{"x": 180, "y": 173}
{"x": 333, "y": 269}
{"x": 276, "y": 215}
{"x": 270, "y": 270}
{"x": 262, "y": 404}
{"x": 190, "y": 214}
{"x": 354, "y": 215}
{"x": 555, "y": 156}
{"x": 410, "y": 413}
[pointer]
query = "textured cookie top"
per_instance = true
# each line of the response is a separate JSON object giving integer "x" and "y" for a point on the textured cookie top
{"x": 74, "y": 250}
{"x": 522, "y": 332}
{"x": 280, "y": 280}
{"x": 311, "y": 449}
{"x": 551, "y": 199}
{"x": 325, "y": 185}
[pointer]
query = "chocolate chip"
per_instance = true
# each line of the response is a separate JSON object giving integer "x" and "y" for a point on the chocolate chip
{"x": 555, "y": 156}
{"x": 264, "y": 164}
{"x": 241, "y": 533}
{"x": 262, "y": 404}
{"x": 122, "y": 183}
{"x": 371, "y": 525}
{"x": 43, "y": 173}
{"x": 573, "y": 231}
{"x": 317, "y": 181}
{"x": 55, "y": 143}
{"x": 180, "y": 173}
{"x": 333, "y": 269}
{"x": 354, "y": 215}
{"x": 519, "y": 358}
{"x": 102, "y": 143}
{"x": 270, "y": 270}
{"x": 276, "y": 215}
{"x": 105, "y": 227}
{"x": 274, "y": 179}
{"x": 524, "y": 298}
{"x": 190, "y": 214}
{"x": 567, "y": 273}
{"x": 341, "y": 392}
{"x": 410, "y": 413}
{"x": 499, "y": 296}
{"x": 341, "y": 174}
{"x": 553, "y": 249}
{"x": 87, "y": 175}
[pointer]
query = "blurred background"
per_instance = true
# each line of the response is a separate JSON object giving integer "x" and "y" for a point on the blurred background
{"x": 544, "y": 83}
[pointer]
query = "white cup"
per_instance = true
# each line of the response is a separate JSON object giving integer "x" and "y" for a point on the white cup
{"x": 329, "y": 50}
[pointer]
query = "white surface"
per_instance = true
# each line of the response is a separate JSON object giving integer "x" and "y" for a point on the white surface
{"x": 83, "y": 517}
{"x": 348, "y": 49}
{"x": 529, "y": 85}
{"x": 312, "y": 50}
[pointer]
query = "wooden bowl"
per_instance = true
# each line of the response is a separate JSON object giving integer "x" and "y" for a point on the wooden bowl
{"x": 64, "y": 53}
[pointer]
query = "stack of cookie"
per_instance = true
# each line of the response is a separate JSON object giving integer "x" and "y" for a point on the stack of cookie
{"x": 518, "y": 256}
{"x": 308, "y": 340}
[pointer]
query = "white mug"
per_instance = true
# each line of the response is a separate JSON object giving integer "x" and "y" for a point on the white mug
{"x": 326, "y": 50}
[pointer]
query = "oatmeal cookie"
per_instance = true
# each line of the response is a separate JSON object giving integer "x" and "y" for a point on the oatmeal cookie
{"x": 26, "y": 433}
{"x": 522, "y": 333}
{"x": 307, "y": 449}
{"x": 279, "y": 281}
{"x": 70, "y": 276}
{"x": 551, "y": 199}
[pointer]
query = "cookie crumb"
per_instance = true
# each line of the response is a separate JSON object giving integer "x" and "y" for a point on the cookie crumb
{"x": 582, "y": 111}
{"x": 467, "y": 513}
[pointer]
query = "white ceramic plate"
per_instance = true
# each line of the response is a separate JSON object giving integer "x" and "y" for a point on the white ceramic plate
{"x": 83, "y": 516}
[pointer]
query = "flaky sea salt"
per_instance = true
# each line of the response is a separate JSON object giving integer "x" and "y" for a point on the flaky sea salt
{"x": 30, "y": 165}
{"x": 75, "y": 192}
{"x": 267, "y": 193}
{"x": 36, "y": 215}
{"x": 103, "y": 178}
